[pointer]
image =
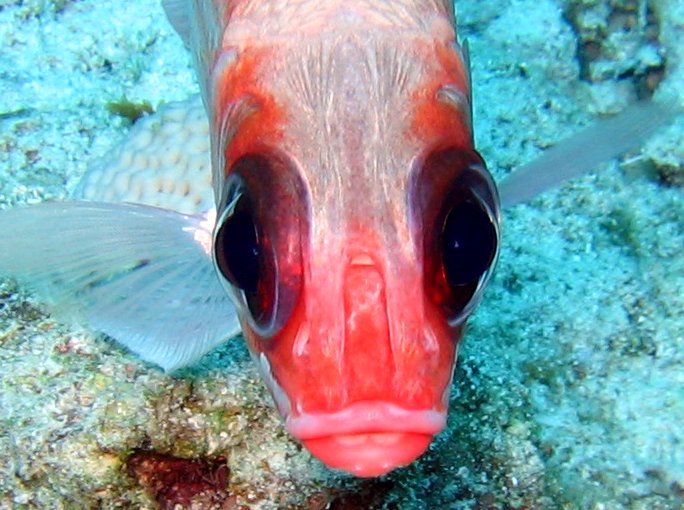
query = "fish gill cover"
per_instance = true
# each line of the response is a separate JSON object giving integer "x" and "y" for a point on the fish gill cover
{"x": 569, "y": 388}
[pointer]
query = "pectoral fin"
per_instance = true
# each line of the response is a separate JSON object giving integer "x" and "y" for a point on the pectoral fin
{"x": 140, "y": 274}
{"x": 598, "y": 143}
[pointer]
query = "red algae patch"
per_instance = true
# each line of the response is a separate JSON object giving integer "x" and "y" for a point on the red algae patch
{"x": 182, "y": 483}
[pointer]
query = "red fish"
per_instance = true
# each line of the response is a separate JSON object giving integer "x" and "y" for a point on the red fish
{"x": 356, "y": 225}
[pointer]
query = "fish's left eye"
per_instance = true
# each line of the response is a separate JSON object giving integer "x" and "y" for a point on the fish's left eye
{"x": 469, "y": 243}
{"x": 456, "y": 212}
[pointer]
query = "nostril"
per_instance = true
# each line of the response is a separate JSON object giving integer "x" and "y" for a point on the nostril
{"x": 362, "y": 259}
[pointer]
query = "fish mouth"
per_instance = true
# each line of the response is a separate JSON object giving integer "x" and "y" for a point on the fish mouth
{"x": 368, "y": 455}
{"x": 369, "y": 438}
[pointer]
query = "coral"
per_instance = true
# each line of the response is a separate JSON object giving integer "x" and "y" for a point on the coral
{"x": 618, "y": 40}
{"x": 163, "y": 162}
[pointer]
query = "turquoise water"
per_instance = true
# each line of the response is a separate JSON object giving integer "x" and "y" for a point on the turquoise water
{"x": 569, "y": 389}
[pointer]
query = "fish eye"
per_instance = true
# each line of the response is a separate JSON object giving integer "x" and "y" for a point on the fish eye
{"x": 456, "y": 217}
{"x": 469, "y": 243}
{"x": 242, "y": 259}
{"x": 262, "y": 218}
{"x": 469, "y": 246}
{"x": 237, "y": 248}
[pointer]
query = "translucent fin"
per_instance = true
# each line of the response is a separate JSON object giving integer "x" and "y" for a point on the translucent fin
{"x": 465, "y": 52}
{"x": 177, "y": 14}
{"x": 600, "y": 142}
{"x": 140, "y": 274}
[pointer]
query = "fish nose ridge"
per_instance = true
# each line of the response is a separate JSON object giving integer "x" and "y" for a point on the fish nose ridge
{"x": 368, "y": 357}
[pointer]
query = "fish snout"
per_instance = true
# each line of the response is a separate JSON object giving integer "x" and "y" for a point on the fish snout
{"x": 361, "y": 372}
{"x": 392, "y": 378}
{"x": 369, "y": 455}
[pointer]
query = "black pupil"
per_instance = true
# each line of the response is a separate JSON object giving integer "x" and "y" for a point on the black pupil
{"x": 240, "y": 251}
{"x": 468, "y": 242}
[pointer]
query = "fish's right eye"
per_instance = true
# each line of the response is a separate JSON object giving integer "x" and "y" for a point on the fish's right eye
{"x": 237, "y": 248}
{"x": 262, "y": 218}
{"x": 242, "y": 256}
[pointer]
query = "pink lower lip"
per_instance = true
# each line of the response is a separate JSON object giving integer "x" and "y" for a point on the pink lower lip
{"x": 365, "y": 417}
{"x": 368, "y": 455}
{"x": 367, "y": 438}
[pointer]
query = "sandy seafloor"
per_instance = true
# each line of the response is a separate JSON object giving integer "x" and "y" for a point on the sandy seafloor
{"x": 569, "y": 391}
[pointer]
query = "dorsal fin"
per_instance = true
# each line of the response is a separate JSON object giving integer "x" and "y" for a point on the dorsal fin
{"x": 465, "y": 53}
{"x": 177, "y": 12}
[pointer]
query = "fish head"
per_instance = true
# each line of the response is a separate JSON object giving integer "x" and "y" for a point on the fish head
{"x": 357, "y": 227}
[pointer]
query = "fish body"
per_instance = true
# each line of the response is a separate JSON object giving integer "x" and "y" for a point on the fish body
{"x": 354, "y": 225}
{"x": 341, "y": 140}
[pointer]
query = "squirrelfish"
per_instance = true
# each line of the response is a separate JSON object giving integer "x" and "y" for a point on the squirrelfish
{"x": 355, "y": 226}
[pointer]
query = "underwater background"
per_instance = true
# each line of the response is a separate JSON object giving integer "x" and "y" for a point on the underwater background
{"x": 569, "y": 390}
